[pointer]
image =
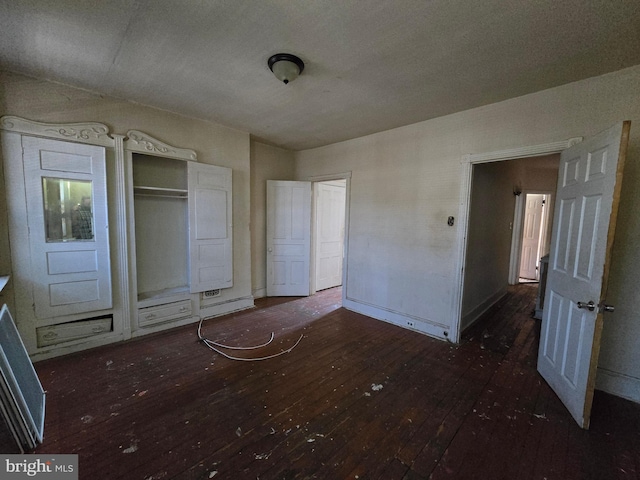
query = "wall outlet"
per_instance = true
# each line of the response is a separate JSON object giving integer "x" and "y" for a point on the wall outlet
{"x": 410, "y": 324}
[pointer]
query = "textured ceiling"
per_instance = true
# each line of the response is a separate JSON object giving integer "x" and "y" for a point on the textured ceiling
{"x": 370, "y": 65}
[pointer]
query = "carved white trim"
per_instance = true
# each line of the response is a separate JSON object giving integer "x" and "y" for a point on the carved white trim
{"x": 521, "y": 152}
{"x": 143, "y": 143}
{"x": 92, "y": 133}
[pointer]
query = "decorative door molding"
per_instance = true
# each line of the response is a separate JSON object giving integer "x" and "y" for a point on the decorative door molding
{"x": 92, "y": 133}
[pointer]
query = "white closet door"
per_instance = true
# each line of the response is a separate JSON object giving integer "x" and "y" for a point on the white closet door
{"x": 210, "y": 227}
{"x": 69, "y": 242}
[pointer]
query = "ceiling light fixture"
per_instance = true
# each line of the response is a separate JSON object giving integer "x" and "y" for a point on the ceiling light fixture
{"x": 286, "y": 67}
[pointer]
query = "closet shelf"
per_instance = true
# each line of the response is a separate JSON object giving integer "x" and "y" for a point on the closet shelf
{"x": 160, "y": 192}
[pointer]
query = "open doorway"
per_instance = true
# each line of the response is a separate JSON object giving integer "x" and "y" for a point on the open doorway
{"x": 329, "y": 209}
{"x": 531, "y": 235}
{"x": 307, "y": 235}
{"x": 497, "y": 223}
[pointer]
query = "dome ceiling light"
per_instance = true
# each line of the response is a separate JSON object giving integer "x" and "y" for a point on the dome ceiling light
{"x": 286, "y": 67}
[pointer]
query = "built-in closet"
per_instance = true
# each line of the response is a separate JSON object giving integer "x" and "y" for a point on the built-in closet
{"x": 111, "y": 235}
{"x": 180, "y": 230}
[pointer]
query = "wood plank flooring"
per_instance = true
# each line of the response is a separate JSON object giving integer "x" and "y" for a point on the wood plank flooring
{"x": 357, "y": 398}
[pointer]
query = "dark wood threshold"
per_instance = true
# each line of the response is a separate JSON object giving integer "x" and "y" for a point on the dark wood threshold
{"x": 357, "y": 398}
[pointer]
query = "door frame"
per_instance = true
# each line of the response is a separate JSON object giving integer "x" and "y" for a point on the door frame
{"x": 467, "y": 163}
{"x": 315, "y": 179}
{"x": 518, "y": 226}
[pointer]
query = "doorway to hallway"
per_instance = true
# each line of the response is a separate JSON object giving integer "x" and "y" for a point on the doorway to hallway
{"x": 328, "y": 239}
{"x": 307, "y": 235}
{"x": 534, "y": 241}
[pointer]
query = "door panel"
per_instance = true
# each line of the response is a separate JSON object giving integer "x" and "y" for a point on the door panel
{"x": 531, "y": 236}
{"x": 288, "y": 238}
{"x": 210, "y": 227}
{"x": 330, "y": 213}
{"x": 589, "y": 182}
{"x": 66, "y": 192}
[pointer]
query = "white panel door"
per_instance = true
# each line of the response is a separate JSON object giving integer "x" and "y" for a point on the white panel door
{"x": 210, "y": 227}
{"x": 66, "y": 189}
{"x": 589, "y": 182}
{"x": 531, "y": 236}
{"x": 288, "y": 238}
{"x": 330, "y": 211}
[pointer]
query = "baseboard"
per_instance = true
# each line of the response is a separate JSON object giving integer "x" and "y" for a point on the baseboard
{"x": 618, "y": 384}
{"x": 421, "y": 325}
{"x": 260, "y": 293}
{"x": 471, "y": 317}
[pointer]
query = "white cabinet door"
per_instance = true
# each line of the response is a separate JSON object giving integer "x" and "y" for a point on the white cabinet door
{"x": 288, "y": 238}
{"x": 65, "y": 185}
{"x": 589, "y": 183}
{"x": 210, "y": 227}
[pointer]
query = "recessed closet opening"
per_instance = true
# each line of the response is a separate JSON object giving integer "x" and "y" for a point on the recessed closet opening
{"x": 161, "y": 223}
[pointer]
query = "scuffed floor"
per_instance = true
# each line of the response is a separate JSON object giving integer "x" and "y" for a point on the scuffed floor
{"x": 357, "y": 398}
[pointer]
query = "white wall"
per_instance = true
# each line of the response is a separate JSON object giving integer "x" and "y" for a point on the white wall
{"x": 405, "y": 182}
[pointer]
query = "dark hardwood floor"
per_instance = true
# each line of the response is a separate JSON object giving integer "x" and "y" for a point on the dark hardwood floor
{"x": 357, "y": 398}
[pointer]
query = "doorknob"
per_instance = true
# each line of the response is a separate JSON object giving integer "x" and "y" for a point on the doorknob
{"x": 606, "y": 308}
{"x": 589, "y": 306}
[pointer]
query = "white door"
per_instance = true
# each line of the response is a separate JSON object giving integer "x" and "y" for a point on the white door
{"x": 288, "y": 238}
{"x": 529, "y": 256}
{"x": 210, "y": 227}
{"x": 66, "y": 189}
{"x": 589, "y": 182}
{"x": 330, "y": 211}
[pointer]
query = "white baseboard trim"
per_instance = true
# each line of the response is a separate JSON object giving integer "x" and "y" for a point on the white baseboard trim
{"x": 470, "y": 318}
{"x": 618, "y": 384}
{"x": 260, "y": 293}
{"x": 432, "y": 329}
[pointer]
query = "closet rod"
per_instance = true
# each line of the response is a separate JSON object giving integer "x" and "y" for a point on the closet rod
{"x": 160, "y": 196}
